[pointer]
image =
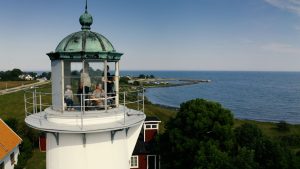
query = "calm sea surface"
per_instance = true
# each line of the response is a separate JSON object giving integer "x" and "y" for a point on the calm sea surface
{"x": 263, "y": 96}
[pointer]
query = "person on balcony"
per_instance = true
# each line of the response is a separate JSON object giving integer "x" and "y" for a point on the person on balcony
{"x": 85, "y": 84}
{"x": 110, "y": 82}
{"x": 110, "y": 85}
{"x": 85, "y": 78}
{"x": 97, "y": 96}
{"x": 69, "y": 98}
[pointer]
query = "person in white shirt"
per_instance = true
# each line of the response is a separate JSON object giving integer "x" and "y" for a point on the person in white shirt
{"x": 69, "y": 98}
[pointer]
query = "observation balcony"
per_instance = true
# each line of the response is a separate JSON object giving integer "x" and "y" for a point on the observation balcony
{"x": 87, "y": 114}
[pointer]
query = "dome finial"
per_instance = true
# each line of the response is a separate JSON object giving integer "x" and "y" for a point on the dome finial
{"x": 85, "y": 6}
{"x": 86, "y": 19}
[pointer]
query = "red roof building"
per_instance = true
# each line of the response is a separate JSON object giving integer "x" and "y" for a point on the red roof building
{"x": 9, "y": 146}
{"x": 144, "y": 155}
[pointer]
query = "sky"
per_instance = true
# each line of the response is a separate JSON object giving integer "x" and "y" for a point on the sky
{"x": 229, "y": 35}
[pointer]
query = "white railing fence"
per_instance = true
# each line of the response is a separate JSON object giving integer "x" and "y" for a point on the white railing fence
{"x": 37, "y": 101}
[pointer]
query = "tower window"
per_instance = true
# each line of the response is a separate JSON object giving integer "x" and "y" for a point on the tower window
{"x": 134, "y": 162}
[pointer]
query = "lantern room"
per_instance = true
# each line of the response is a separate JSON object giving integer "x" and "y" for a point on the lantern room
{"x": 84, "y": 63}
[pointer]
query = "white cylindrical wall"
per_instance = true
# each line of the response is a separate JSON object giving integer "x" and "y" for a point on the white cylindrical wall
{"x": 98, "y": 152}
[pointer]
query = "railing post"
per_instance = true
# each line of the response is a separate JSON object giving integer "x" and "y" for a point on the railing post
{"x": 82, "y": 109}
{"x": 124, "y": 106}
{"x": 25, "y": 107}
{"x": 116, "y": 81}
{"x": 124, "y": 99}
{"x": 35, "y": 100}
{"x": 40, "y": 102}
{"x": 81, "y": 119}
{"x": 138, "y": 100}
{"x": 143, "y": 100}
{"x": 33, "y": 108}
{"x": 81, "y": 103}
{"x": 105, "y": 84}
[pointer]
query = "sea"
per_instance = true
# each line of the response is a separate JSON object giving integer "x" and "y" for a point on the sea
{"x": 261, "y": 96}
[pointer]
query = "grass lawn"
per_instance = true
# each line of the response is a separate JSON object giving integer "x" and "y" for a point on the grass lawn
{"x": 11, "y": 84}
{"x": 37, "y": 161}
{"x": 269, "y": 128}
{"x": 12, "y": 106}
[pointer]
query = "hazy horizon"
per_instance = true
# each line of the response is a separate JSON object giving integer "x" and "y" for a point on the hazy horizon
{"x": 179, "y": 70}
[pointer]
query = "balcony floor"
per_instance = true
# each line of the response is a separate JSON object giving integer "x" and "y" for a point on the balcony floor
{"x": 85, "y": 122}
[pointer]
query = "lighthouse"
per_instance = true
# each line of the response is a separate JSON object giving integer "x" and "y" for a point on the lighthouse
{"x": 86, "y": 118}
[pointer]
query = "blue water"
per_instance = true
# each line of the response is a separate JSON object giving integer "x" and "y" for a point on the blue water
{"x": 263, "y": 96}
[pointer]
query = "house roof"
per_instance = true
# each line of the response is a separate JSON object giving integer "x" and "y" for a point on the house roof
{"x": 8, "y": 139}
{"x": 152, "y": 119}
{"x": 142, "y": 147}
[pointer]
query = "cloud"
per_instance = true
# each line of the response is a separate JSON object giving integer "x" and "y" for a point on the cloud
{"x": 289, "y": 5}
{"x": 281, "y": 48}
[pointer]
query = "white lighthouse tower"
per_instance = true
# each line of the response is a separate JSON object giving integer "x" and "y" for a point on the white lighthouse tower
{"x": 86, "y": 118}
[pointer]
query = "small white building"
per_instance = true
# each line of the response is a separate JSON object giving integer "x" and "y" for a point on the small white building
{"x": 9, "y": 146}
{"x": 26, "y": 77}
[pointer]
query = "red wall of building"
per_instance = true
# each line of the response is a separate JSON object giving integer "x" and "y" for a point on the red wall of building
{"x": 42, "y": 142}
{"x": 142, "y": 162}
{"x": 150, "y": 134}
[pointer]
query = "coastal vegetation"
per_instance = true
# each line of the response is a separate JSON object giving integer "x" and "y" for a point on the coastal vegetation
{"x": 282, "y": 138}
{"x": 205, "y": 131}
{"x": 19, "y": 75}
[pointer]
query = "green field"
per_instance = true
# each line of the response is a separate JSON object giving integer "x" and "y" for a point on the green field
{"x": 12, "y": 105}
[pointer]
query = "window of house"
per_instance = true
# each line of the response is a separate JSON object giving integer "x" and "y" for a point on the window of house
{"x": 151, "y": 126}
{"x": 12, "y": 158}
{"x": 2, "y": 165}
{"x": 134, "y": 162}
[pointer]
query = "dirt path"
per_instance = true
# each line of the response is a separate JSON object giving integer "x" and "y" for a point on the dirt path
{"x": 23, "y": 87}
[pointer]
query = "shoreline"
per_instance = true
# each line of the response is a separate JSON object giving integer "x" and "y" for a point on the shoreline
{"x": 235, "y": 118}
{"x": 164, "y": 82}
{"x": 192, "y": 82}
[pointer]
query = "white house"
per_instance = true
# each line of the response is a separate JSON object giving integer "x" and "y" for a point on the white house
{"x": 9, "y": 146}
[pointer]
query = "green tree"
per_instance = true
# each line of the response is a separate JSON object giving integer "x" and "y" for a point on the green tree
{"x": 282, "y": 126}
{"x": 15, "y": 73}
{"x": 48, "y": 75}
{"x": 201, "y": 130}
{"x": 245, "y": 159}
{"x": 12, "y": 123}
{"x": 142, "y": 76}
{"x": 248, "y": 135}
{"x": 257, "y": 151}
{"x": 273, "y": 155}
{"x": 26, "y": 153}
{"x": 11, "y": 75}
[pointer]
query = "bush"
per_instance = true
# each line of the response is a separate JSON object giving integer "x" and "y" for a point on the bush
{"x": 203, "y": 131}
{"x": 290, "y": 140}
{"x": 248, "y": 135}
{"x": 282, "y": 126}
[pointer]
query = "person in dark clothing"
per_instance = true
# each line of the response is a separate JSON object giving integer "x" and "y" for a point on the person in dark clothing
{"x": 109, "y": 82}
{"x": 110, "y": 85}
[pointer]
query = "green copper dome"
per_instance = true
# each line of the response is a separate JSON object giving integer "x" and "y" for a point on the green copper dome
{"x": 86, "y": 41}
{"x": 85, "y": 44}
